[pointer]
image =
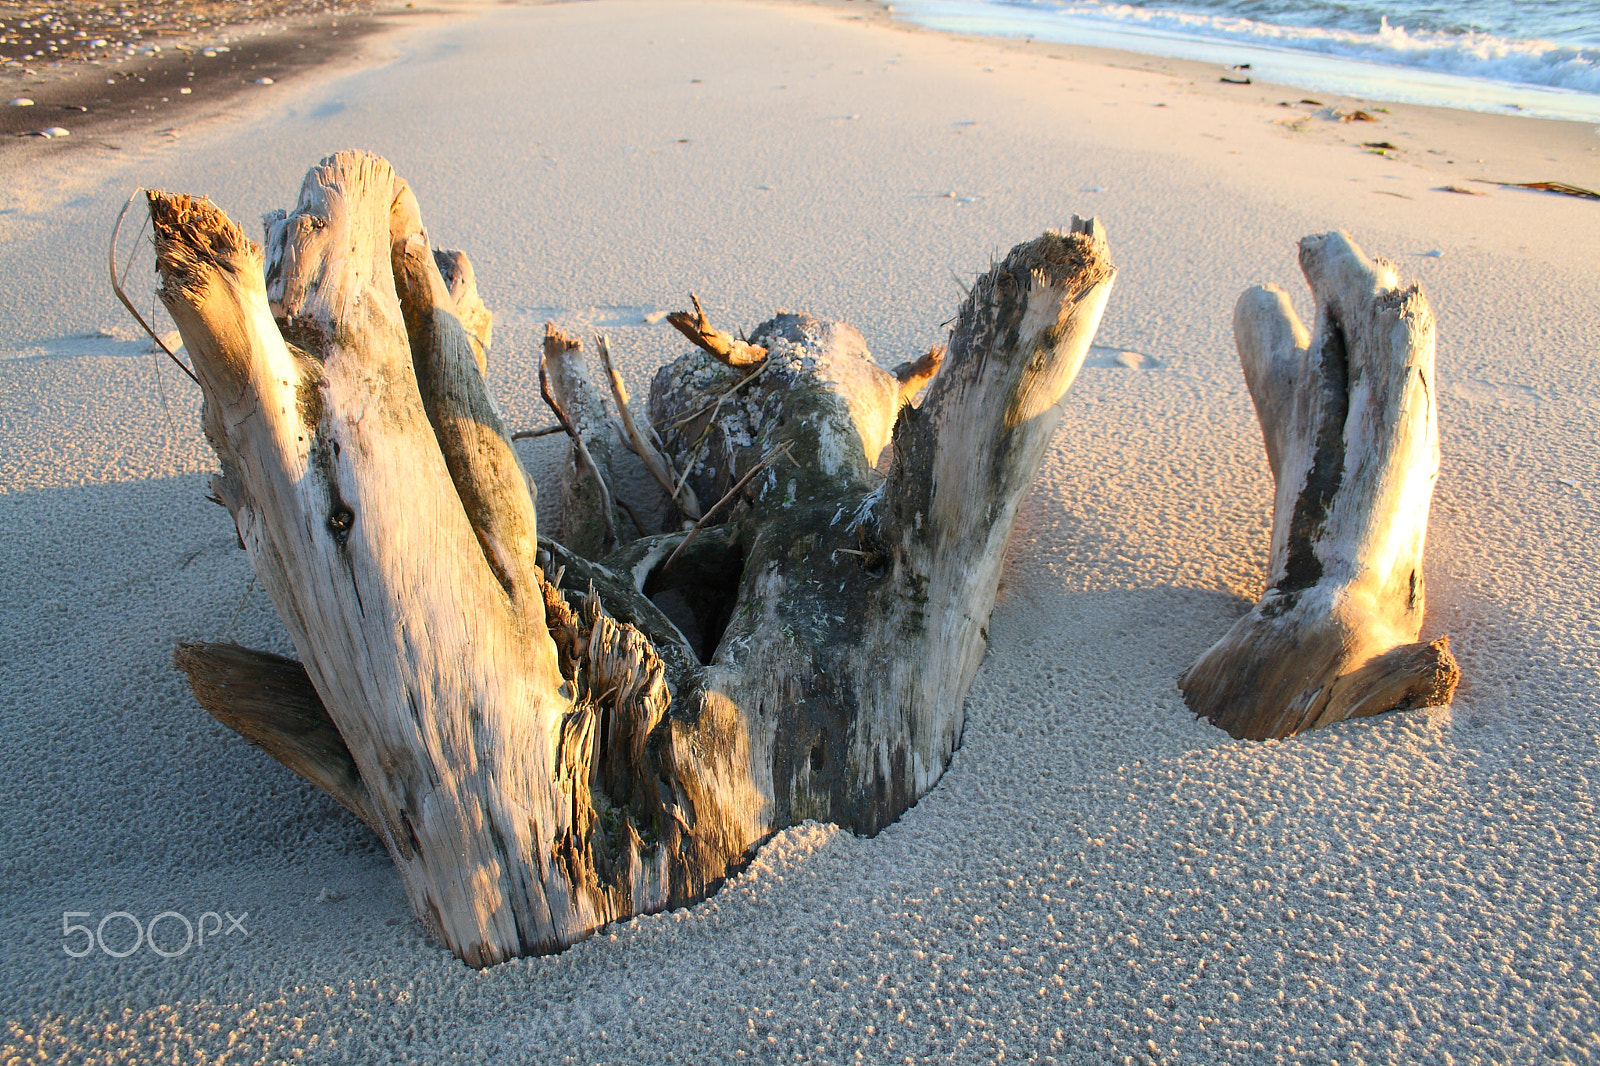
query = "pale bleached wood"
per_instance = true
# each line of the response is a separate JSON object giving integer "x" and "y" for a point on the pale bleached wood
{"x": 962, "y": 463}
{"x": 589, "y": 519}
{"x": 472, "y": 437}
{"x": 450, "y": 705}
{"x": 860, "y": 610}
{"x": 462, "y": 282}
{"x": 537, "y": 773}
{"x": 1349, "y": 421}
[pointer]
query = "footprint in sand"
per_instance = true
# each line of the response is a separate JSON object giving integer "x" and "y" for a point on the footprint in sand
{"x": 1111, "y": 357}
{"x": 581, "y": 318}
{"x": 118, "y": 342}
{"x": 1477, "y": 390}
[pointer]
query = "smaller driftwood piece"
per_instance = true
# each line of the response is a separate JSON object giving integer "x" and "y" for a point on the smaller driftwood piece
{"x": 1347, "y": 414}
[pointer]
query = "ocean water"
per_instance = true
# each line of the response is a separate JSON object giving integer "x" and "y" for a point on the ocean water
{"x": 1535, "y": 57}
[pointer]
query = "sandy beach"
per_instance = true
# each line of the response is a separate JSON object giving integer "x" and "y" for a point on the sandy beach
{"x": 1098, "y": 878}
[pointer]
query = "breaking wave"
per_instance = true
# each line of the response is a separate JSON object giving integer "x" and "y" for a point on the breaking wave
{"x": 1469, "y": 53}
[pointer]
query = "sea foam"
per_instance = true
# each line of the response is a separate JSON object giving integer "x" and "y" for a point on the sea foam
{"x": 1477, "y": 55}
{"x": 1563, "y": 67}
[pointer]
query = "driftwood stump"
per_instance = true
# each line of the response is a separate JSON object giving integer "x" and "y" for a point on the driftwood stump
{"x": 540, "y": 747}
{"x": 1352, "y": 437}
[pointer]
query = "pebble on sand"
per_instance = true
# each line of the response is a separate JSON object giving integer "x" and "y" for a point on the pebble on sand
{"x": 263, "y": 81}
{"x": 21, "y": 101}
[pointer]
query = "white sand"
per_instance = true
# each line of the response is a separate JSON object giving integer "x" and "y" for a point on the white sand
{"x": 1098, "y": 878}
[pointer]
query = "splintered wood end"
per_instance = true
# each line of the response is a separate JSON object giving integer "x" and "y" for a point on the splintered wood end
{"x": 194, "y": 238}
{"x": 914, "y": 376}
{"x": 557, "y": 343}
{"x": 723, "y": 347}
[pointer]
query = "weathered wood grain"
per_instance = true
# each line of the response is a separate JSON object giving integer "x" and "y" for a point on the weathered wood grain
{"x": 542, "y": 748}
{"x": 1349, "y": 421}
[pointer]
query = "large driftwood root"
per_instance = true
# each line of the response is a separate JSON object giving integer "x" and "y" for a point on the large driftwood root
{"x": 540, "y": 747}
{"x": 1351, "y": 434}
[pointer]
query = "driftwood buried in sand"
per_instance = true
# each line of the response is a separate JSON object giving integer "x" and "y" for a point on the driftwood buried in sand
{"x": 1351, "y": 430}
{"x": 541, "y": 749}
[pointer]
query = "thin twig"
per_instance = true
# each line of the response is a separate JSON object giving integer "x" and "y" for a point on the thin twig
{"x": 738, "y": 487}
{"x": 552, "y": 335}
{"x": 530, "y": 434}
{"x": 227, "y": 633}
{"x": 653, "y": 460}
{"x": 116, "y": 287}
{"x": 161, "y": 391}
{"x": 694, "y": 456}
{"x": 722, "y": 397}
{"x": 714, "y": 407}
{"x": 632, "y": 517}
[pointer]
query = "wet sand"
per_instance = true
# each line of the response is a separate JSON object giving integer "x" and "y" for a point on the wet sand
{"x": 207, "y": 56}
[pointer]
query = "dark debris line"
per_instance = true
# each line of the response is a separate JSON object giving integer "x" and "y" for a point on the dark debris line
{"x": 35, "y": 36}
{"x": 93, "y": 68}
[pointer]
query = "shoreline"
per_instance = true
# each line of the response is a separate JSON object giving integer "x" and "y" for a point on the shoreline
{"x": 1371, "y": 69}
{"x": 1465, "y": 148}
{"x": 1478, "y": 145}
